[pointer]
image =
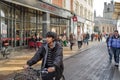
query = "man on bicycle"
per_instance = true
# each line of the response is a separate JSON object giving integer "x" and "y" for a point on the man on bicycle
{"x": 51, "y": 54}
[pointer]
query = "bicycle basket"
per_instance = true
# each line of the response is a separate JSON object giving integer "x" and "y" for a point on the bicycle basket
{"x": 26, "y": 75}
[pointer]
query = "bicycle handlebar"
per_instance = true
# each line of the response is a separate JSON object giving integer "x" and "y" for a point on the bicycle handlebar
{"x": 41, "y": 71}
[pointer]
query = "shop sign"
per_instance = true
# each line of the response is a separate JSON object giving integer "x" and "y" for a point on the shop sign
{"x": 74, "y": 18}
{"x": 48, "y": 7}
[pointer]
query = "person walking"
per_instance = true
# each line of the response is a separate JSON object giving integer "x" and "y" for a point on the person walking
{"x": 87, "y": 38}
{"x": 92, "y": 37}
{"x": 114, "y": 45}
{"x": 109, "y": 50}
{"x": 79, "y": 40}
{"x": 71, "y": 39}
{"x": 51, "y": 54}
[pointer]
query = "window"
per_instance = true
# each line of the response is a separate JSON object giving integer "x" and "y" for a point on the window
{"x": 81, "y": 10}
{"x": 108, "y": 9}
{"x": 85, "y": 13}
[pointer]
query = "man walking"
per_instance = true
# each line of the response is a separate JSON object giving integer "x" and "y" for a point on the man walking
{"x": 114, "y": 45}
{"x": 79, "y": 39}
{"x": 109, "y": 50}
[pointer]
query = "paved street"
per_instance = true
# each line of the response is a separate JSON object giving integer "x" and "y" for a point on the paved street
{"x": 91, "y": 64}
{"x": 88, "y": 63}
{"x": 19, "y": 57}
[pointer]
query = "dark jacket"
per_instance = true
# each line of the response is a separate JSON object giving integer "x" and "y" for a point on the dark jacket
{"x": 42, "y": 52}
{"x": 107, "y": 40}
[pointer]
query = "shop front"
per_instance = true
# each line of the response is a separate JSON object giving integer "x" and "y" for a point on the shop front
{"x": 19, "y": 22}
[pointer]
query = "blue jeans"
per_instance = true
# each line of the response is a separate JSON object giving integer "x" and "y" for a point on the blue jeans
{"x": 110, "y": 53}
{"x": 116, "y": 52}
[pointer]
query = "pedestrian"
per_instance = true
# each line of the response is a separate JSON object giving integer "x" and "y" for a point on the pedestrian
{"x": 114, "y": 45}
{"x": 99, "y": 37}
{"x": 87, "y": 38}
{"x": 32, "y": 42}
{"x": 38, "y": 41}
{"x": 51, "y": 54}
{"x": 92, "y": 37}
{"x": 64, "y": 40}
{"x": 60, "y": 40}
{"x": 109, "y": 50}
{"x": 79, "y": 40}
{"x": 71, "y": 39}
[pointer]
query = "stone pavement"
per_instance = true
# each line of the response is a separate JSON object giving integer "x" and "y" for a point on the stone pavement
{"x": 91, "y": 64}
{"x": 18, "y": 58}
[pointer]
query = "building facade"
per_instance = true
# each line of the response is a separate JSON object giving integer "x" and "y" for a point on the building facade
{"x": 21, "y": 19}
{"x": 83, "y": 10}
{"x": 106, "y": 24}
{"x": 116, "y": 14}
{"x": 108, "y": 10}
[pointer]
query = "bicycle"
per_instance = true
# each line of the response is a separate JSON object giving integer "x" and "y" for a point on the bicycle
{"x": 32, "y": 74}
{"x": 6, "y": 51}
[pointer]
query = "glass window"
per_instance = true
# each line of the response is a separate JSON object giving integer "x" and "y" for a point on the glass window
{"x": 4, "y": 10}
{"x": 17, "y": 16}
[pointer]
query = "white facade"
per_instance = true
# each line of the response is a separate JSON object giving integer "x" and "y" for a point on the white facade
{"x": 118, "y": 25}
{"x": 104, "y": 26}
{"x": 84, "y": 9}
{"x": 49, "y": 1}
{"x": 67, "y": 4}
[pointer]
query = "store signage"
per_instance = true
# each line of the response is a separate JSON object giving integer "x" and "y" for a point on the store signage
{"x": 48, "y": 7}
{"x": 74, "y": 18}
{"x": 41, "y": 5}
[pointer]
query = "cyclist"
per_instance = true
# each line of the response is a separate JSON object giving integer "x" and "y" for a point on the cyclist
{"x": 51, "y": 54}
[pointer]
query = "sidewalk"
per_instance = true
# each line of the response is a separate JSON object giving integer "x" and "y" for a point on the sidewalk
{"x": 19, "y": 58}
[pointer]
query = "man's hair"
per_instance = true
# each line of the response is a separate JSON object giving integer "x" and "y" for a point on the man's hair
{"x": 116, "y": 31}
{"x": 51, "y": 34}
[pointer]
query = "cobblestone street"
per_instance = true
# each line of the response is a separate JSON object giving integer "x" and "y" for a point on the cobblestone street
{"x": 88, "y": 63}
{"x": 91, "y": 64}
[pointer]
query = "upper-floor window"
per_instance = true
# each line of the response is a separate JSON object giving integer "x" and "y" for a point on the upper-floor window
{"x": 76, "y": 8}
{"x": 81, "y": 11}
{"x": 85, "y": 12}
{"x": 108, "y": 9}
{"x": 49, "y": 1}
{"x": 64, "y": 3}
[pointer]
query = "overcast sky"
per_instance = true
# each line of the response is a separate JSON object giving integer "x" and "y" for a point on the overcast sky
{"x": 99, "y": 5}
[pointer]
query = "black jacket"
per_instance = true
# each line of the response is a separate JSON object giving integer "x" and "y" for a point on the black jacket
{"x": 42, "y": 52}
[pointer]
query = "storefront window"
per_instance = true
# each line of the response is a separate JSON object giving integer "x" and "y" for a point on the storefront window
{"x": 18, "y": 24}
{"x": 4, "y": 23}
{"x": 2, "y": 13}
{"x": 4, "y": 28}
{"x": 17, "y": 36}
{"x": 17, "y": 16}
